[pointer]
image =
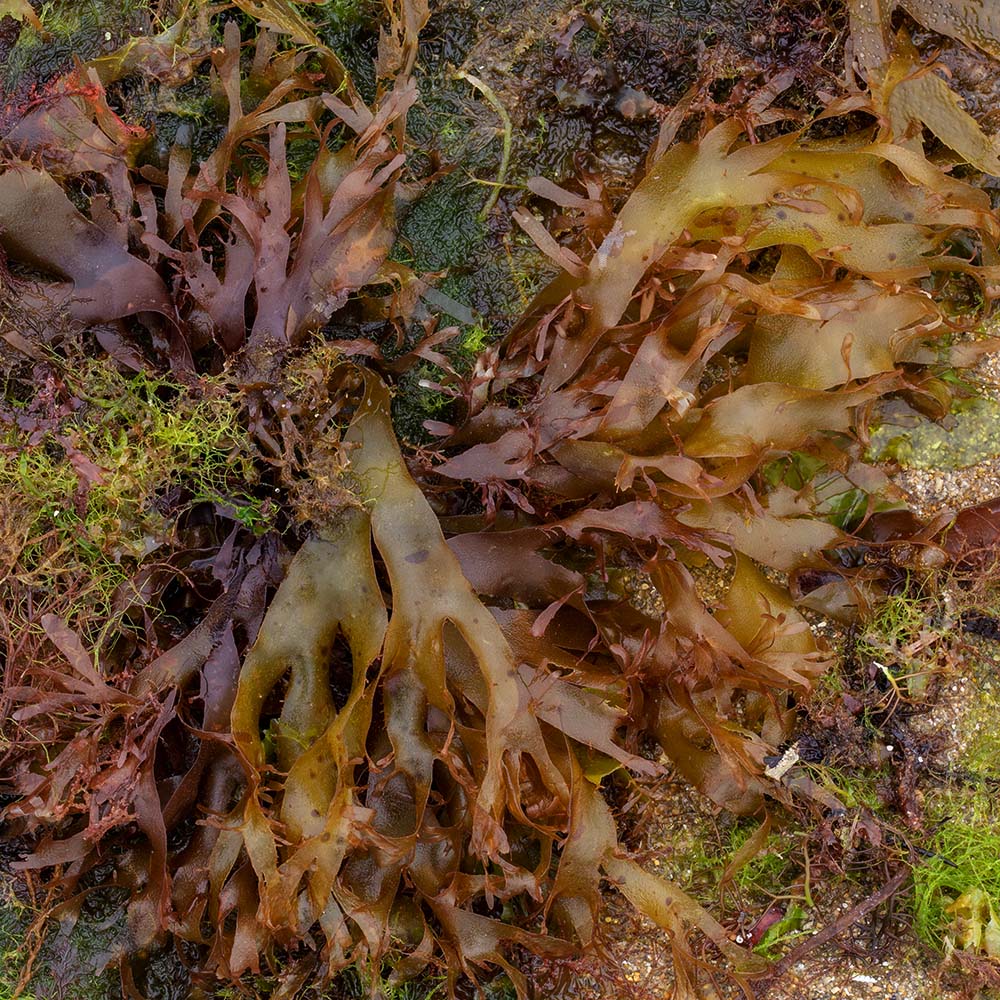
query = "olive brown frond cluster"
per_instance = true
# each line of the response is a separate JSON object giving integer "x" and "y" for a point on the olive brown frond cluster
{"x": 389, "y": 745}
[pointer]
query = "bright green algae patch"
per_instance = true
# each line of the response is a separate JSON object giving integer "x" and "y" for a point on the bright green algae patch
{"x": 97, "y": 488}
{"x": 969, "y": 435}
{"x": 132, "y": 437}
{"x": 963, "y": 853}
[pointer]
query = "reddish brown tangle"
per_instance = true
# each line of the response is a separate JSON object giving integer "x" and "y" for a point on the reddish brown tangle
{"x": 382, "y": 741}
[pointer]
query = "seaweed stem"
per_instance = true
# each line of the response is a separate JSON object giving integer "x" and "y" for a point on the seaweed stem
{"x": 494, "y": 102}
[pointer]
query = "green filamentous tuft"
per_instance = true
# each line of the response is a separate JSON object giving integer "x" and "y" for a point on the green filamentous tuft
{"x": 98, "y": 491}
{"x": 966, "y": 858}
{"x": 475, "y": 339}
{"x": 897, "y": 637}
{"x": 962, "y": 860}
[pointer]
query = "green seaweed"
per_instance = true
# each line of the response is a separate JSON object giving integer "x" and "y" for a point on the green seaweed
{"x": 964, "y": 856}
{"x": 778, "y": 936}
{"x": 969, "y": 435}
{"x": 85, "y": 496}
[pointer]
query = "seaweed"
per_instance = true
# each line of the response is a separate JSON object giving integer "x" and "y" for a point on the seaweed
{"x": 21, "y": 10}
{"x": 968, "y": 21}
{"x": 380, "y": 736}
{"x": 909, "y": 93}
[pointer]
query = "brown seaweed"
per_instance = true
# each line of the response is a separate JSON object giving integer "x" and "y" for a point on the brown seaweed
{"x": 367, "y": 767}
